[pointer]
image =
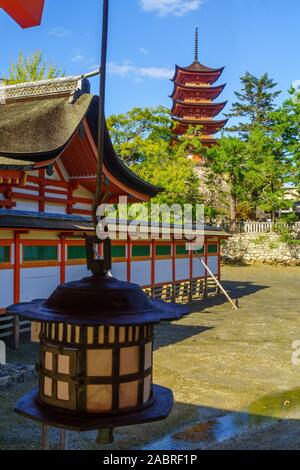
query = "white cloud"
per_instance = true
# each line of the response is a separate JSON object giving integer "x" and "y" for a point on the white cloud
{"x": 59, "y": 32}
{"x": 83, "y": 60}
{"x": 144, "y": 51}
{"x": 127, "y": 68}
{"x": 78, "y": 57}
{"x": 170, "y": 7}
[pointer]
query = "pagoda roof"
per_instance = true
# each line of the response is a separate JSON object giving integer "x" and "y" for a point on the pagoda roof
{"x": 215, "y": 108}
{"x": 197, "y": 122}
{"x": 41, "y": 121}
{"x": 197, "y": 68}
{"x": 210, "y": 90}
{"x": 209, "y": 126}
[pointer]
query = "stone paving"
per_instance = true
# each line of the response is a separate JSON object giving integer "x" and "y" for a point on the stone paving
{"x": 232, "y": 375}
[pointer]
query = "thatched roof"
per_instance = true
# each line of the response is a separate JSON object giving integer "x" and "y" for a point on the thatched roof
{"x": 39, "y": 126}
{"x": 39, "y": 120}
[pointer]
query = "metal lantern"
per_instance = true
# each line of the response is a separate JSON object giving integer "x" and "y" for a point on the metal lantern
{"x": 96, "y": 355}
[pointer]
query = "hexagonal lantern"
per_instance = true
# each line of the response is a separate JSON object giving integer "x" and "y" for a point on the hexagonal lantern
{"x": 96, "y": 355}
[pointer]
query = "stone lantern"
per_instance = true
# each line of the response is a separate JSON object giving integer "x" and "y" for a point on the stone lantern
{"x": 96, "y": 355}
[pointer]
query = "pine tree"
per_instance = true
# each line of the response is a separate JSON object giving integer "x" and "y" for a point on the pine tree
{"x": 254, "y": 103}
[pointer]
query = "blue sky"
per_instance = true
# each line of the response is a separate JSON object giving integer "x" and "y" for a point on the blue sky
{"x": 147, "y": 38}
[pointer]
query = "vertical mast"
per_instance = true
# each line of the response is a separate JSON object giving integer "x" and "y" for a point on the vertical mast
{"x": 101, "y": 127}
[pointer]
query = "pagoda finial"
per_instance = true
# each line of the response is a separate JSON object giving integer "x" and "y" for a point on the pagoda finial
{"x": 196, "y": 45}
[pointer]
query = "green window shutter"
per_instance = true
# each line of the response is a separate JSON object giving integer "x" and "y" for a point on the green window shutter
{"x": 140, "y": 251}
{"x": 76, "y": 252}
{"x": 181, "y": 250}
{"x": 40, "y": 253}
{"x": 4, "y": 254}
{"x": 201, "y": 251}
{"x": 213, "y": 249}
{"x": 118, "y": 251}
{"x": 163, "y": 250}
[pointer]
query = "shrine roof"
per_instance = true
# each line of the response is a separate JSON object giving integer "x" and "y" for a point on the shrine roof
{"x": 40, "y": 119}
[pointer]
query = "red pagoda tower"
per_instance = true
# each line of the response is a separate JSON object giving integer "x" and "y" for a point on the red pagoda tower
{"x": 193, "y": 99}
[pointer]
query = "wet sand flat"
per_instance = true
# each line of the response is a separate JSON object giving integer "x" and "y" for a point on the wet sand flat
{"x": 231, "y": 373}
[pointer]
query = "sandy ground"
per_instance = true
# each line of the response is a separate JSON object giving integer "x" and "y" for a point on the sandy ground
{"x": 231, "y": 372}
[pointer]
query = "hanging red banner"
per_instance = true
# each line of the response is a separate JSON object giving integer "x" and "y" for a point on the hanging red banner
{"x": 26, "y": 13}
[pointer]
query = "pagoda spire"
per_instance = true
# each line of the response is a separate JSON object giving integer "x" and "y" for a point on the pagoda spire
{"x": 196, "y": 45}
{"x": 193, "y": 98}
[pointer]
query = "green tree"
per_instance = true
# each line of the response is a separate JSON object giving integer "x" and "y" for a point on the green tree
{"x": 143, "y": 138}
{"x": 286, "y": 133}
{"x": 255, "y": 102}
{"x": 128, "y": 131}
{"x": 266, "y": 173}
{"x": 228, "y": 160}
{"x": 30, "y": 69}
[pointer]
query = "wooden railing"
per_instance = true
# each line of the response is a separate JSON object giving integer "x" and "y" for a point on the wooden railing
{"x": 266, "y": 227}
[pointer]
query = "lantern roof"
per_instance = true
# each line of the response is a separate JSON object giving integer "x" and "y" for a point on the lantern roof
{"x": 99, "y": 301}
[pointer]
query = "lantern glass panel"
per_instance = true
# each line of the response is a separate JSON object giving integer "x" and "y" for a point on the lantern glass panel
{"x": 48, "y": 361}
{"x": 99, "y": 363}
{"x": 129, "y": 360}
{"x": 147, "y": 388}
{"x": 48, "y": 387}
{"x": 128, "y": 394}
{"x": 99, "y": 398}
{"x": 148, "y": 356}
{"x": 63, "y": 391}
{"x": 63, "y": 365}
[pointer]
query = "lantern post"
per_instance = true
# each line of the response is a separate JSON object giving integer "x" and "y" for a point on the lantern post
{"x": 95, "y": 365}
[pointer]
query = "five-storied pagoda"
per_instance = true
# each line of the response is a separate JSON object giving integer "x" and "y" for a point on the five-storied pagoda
{"x": 193, "y": 99}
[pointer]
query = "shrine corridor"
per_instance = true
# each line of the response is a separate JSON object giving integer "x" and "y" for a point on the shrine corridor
{"x": 234, "y": 383}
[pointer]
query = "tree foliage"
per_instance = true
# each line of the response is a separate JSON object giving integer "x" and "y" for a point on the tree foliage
{"x": 143, "y": 138}
{"x": 255, "y": 101}
{"x": 31, "y": 69}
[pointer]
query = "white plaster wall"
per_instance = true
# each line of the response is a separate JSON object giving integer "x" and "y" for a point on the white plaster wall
{"x": 141, "y": 272}
{"x": 119, "y": 270}
{"x": 6, "y": 287}
{"x": 38, "y": 283}
{"x": 75, "y": 273}
{"x": 213, "y": 264}
{"x": 31, "y": 206}
{"x": 163, "y": 271}
{"x": 55, "y": 208}
{"x": 182, "y": 269}
{"x": 198, "y": 268}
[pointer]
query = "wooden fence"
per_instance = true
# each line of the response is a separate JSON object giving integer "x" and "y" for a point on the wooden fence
{"x": 266, "y": 227}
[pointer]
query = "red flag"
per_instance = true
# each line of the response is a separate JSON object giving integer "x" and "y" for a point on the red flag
{"x": 26, "y": 13}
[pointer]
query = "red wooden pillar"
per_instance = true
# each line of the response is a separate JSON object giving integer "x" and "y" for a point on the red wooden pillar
{"x": 128, "y": 260}
{"x": 174, "y": 269}
{"x": 70, "y": 203}
{"x": 63, "y": 245}
{"x": 153, "y": 245}
{"x": 42, "y": 191}
{"x": 206, "y": 272}
{"x": 17, "y": 267}
{"x": 191, "y": 274}
{"x": 219, "y": 265}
